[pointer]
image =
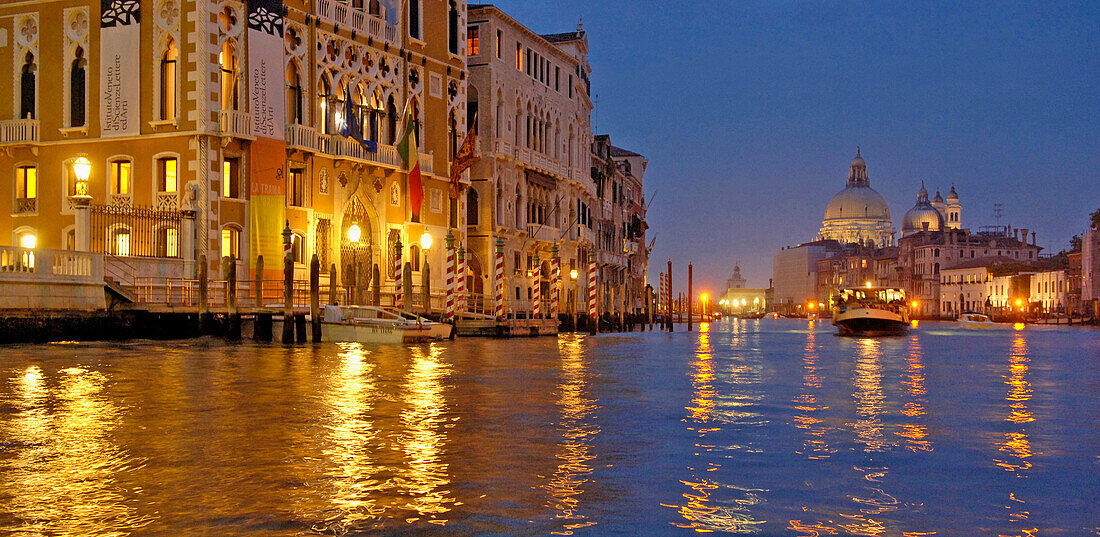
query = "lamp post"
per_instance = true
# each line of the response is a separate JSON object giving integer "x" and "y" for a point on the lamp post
{"x": 82, "y": 201}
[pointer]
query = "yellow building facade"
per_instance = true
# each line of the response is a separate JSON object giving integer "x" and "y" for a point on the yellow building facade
{"x": 196, "y": 115}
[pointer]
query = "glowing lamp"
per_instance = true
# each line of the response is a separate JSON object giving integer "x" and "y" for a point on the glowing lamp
{"x": 1019, "y": 302}
{"x": 915, "y": 304}
{"x": 28, "y": 241}
{"x": 425, "y": 241}
{"x": 573, "y": 274}
{"x": 354, "y": 233}
{"x": 82, "y": 167}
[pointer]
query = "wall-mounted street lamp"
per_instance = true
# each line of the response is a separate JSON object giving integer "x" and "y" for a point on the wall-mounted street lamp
{"x": 573, "y": 274}
{"x": 354, "y": 233}
{"x": 425, "y": 241}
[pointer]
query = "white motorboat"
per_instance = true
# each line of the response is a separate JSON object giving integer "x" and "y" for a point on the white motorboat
{"x": 369, "y": 324}
{"x": 438, "y": 330}
{"x": 870, "y": 311}
{"x": 976, "y": 321}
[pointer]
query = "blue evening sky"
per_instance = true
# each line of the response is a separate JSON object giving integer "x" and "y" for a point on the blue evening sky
{"x": 749, "y": 113}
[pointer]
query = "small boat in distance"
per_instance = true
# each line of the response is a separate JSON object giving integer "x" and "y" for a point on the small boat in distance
{"x": 976, "y": 321}
{"x": 870, "y": 311}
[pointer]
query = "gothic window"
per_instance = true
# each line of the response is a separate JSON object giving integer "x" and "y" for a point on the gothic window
{"x": 228, "y": 60}
{"x": 391, "y": 120}
{"x": 77, "y": 78}
{"x": 374, "y": 117}
{"x": 27, "y": 88}
{"x": 471, "y": 207}
{"x": 452, "y": 125}
{"x": 168, "y": 64}
{"x": 293, "y": 94}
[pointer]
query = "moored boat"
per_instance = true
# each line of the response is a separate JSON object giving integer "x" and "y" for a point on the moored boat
{"x": 368, "y": 324}
{"x": 870, "y": 311}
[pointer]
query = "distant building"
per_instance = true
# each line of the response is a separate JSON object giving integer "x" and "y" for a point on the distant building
{"x": 794, "y": 273}
{"x": 739, "y": 299}
{"x": 858, "y": 214}
{"x": 1090, "y": 269}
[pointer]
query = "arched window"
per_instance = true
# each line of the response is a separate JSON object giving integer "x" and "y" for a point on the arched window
{"x": 293, "y": 94}
{"x": 391, "y": 120}
{"x": 119, "y": 171}
{"x": 414, "y": 257}
{"x": 452, "y": 125}
{"x": 374, "y": 117}
{"x": 323, "y": 105}
{"x": 26, "y": 238}
{"x": 120, "y": 241}
{"x": 228, "y": 60}
{"x": 519, "y": 208}
{"x": 452, "y": 28}
{"x": 168, "y": 80}
{"x": 27, "y": 88}
{"x": 167, "y": 175}
{"x": 471, "y": 207}
{"x": 374, "y": 8}
{"x": 415, "y": 107}
{"x": 77, "y": 78}
{"x": 231, "y": 243}
{"x": 500, "y": 120}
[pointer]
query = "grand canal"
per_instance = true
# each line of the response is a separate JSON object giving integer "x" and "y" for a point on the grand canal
{"x": 771, "y": 427}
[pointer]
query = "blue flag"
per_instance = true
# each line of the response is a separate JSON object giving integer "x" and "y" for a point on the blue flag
{"x": 352, "y": 129}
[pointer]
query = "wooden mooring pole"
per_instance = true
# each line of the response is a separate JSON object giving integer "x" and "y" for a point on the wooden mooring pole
{"x": 233, "y": 320}
{"x": 690, "y": 312}
{"x": 315, "y": 297}
{"x": 670, "y": 308}
{"x": 288, "y": 288}
{"x": 204, "y": 297}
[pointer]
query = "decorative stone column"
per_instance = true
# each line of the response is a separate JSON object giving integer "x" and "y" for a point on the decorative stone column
{"x": 187, "y": 242}
{"x": 82, "y": 205}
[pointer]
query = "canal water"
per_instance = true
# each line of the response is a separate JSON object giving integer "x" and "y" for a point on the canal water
{"x": 769, "y": 427}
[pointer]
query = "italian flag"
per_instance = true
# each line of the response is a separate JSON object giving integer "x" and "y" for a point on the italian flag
{"x": 410, "y": 154}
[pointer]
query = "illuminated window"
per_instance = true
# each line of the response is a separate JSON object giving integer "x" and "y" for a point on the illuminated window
{"x": 293, "y": 94}
{"x": 473, "y": 41}
{"x": 519, "y": 56}
{"x": 120, "y": 177}
{"x": 297, "y": 248}
{"x": 120, "y": 240}
{"x": 26, "y": 182}
{"x": 168, "y": 242}
{"x": 500, "y": 44}
{"x": 167, "y": 178}
{"x": 227, "y": 58}
{"x": 168, "y": 80}
{"x": 297, "y": 191}
{"x": 230, "y": 242}
{"x": 414, "y": 257}
{"x": 231, "y": 181}
{"x": 27, "y": 239}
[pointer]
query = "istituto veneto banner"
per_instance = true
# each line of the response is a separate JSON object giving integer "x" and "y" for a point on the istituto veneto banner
{"x": 267, "y": 186}
{"x": 119, "y": 67}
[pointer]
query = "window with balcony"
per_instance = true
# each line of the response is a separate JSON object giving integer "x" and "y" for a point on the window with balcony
{"x": 231, "y": 178}
{"x": 473, "y": 41}
{"x": 26, "y": 189}
{"x": 293, "y": 94}
{"x": 77, "y": 88}
{"x": 27, "y": 87}
{"x": 297, "y": 188}
{"x": 167, "y": 175}
{"x": 168, "y": 65}
{"x": 120, "y": 177}
{"x": 391, "y": 120}
{"x": 227, "y": 58}
{"x": 324, "y": 105}
{"x": 375, "y": 114}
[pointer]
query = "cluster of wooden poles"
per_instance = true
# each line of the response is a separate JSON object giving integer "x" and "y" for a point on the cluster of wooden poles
{"x": 670, "y": 308}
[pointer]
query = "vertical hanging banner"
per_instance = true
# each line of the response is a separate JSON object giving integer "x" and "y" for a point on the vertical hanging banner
{"x": 119, "y": 67}
{"x": 268, "y": 178}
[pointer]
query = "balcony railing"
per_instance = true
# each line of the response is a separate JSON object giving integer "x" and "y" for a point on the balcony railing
{"x": 26, "y": 205}
{"x": 604, "y": 257}
{"x": 543, "y": 233}
{"x": 19, "y": 131}
{"x": 357, "y": 20}
{"x": 42, "y": 264}
{"x": 236, "y": 123}
{"x": 585, "y": 235}
{"x": 302, "y": 137}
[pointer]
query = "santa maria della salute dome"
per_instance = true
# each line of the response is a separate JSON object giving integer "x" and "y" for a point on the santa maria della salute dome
{"x": 858, "y": 214}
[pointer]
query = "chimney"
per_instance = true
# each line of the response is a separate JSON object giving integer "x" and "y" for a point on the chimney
{"x": 1023, "y": 240}
{"x": 1016, "y": 234}
{"x": 1033, "y": 243}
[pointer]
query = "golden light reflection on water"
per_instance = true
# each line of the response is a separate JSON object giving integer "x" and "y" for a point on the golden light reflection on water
{"x": 914, "y": 432}
{"x": 566, "y": 485}
{"x": 870, "y": 398}
{"x": 423, "y": 444}
{"x": 63, "y": 478}
{"x": 700, "y": 511}
{"x": 814, "y": 446}
{"x": 1016, "y": 446}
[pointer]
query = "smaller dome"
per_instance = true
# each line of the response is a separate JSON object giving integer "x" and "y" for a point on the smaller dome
{"x": 952, "y": 196}
{"x": 923, "y": 213}
{"x": 938, "y": 198}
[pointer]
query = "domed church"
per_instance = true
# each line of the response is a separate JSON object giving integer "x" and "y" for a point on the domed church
{"x": 858, "y": 214}
{"x": 932, "y": 216}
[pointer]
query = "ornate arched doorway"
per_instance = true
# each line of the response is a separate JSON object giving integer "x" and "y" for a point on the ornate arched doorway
{"x": 356, "y": 236}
